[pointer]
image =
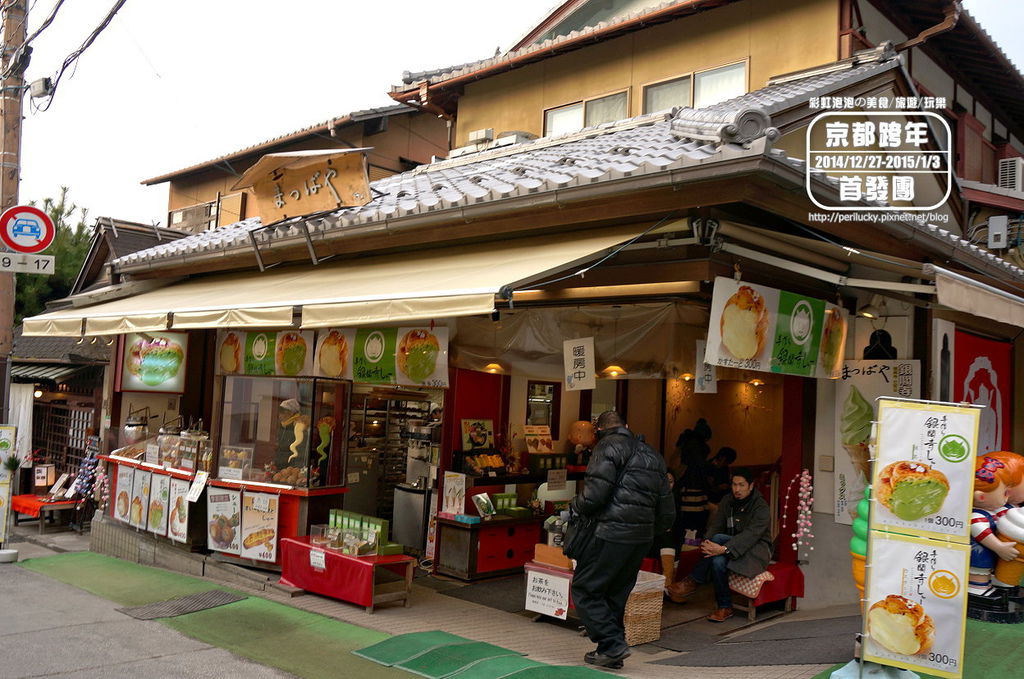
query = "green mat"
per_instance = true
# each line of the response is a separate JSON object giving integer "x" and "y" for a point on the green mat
{"x": 440, "y": 662}
{"x": 559, "y": 672}
{"x": 496, "y": 668}
{"x": 992, "y": 650}
{"x": 126, "y": 583}
{"x": 405, "y": 646}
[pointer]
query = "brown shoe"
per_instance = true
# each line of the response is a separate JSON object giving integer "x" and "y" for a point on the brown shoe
{"x": 720, "y": 615}
{"x": 678, "y": 591}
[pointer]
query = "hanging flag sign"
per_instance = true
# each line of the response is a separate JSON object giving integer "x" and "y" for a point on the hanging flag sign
{"x": 706, "y": 379}
{"x": 755, "y": 327}
{"x": 578, "y": 360}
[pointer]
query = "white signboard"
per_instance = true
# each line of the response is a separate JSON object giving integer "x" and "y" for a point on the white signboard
{"x": 123, "y": 501}
{"x": 177, "y": 522}
{"x": 923, "y": 476}
{"x": 917, "y": 604}
{"x": 223, "y": 516}
{"x": 139, "y": 510}
{"x": 159, "y": 501}
{"x": 5, "y": 497}
{"x": 454, "y": 493}
{"x": 317, "y": 560}
{"x": 579, "y": 362}
{"x": 259, "y": 526}
{"x": 706, "y": 378}
{"x": 859, "y": 384}
{"x": 557, "y": 479}
{"x": 197, "y": 486}
{"x": 42, "y": 264}
{"x": 547, "y": 593}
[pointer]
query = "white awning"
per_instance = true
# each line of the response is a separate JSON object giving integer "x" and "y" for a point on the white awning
{"x": 421, "y": 284}
{"x": 970, "y": 296}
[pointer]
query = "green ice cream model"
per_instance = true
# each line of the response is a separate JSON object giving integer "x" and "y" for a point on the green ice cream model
{"x": 855, "y": 430}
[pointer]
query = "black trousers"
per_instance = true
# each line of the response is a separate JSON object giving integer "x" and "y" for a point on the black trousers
{"x": 605, "y": 575}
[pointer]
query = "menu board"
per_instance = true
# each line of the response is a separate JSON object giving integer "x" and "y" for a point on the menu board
{"x": 139, "y": 509}
{"x": 159, "y": 498}
{"x": 223, "y": 516}
{"x": 177, "y": 500}
{"x": 756, "y": 327}
{"x": 923, "y": 475}
{"x": 259, "y": 526}
{"x": 917, "y": 604}
{"x": 125, "y": 479}
{"x": 154, "y": 361}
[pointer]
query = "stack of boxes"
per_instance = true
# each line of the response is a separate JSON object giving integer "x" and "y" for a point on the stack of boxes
{"x": 355, "y": 534}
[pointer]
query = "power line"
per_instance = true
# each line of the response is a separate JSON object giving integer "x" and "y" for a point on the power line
{"x": 20, "y": 53}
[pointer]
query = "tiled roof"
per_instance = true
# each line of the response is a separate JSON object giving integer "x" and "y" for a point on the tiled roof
{"x": 354, "y": 117}
{"x": 57, "y": 349}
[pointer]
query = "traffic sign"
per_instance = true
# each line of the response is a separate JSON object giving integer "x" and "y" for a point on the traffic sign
{"x": 26, "y": 229}
{"x": 41, "y": 264}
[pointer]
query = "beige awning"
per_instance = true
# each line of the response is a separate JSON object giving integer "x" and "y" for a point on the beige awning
{"x": 973, "y": 297}
{"x": 410, "y": 286}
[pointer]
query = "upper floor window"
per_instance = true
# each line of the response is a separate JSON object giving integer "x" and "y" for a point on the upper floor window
{"x": 719, "y": 84}
{"x": 573, "y": 117}
{"x": 668, "y": 94}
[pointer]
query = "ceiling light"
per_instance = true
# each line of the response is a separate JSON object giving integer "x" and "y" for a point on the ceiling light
{"x": 756, "y": 382}
{"x": 37, "y": 393}
{"x": 494, "y": 368}
{"x": 869, "y": 311}
{"x": 614, "y": 370}
{"x": 686, "y": 377}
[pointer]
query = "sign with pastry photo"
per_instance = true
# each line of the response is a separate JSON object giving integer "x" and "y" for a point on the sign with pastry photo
{"x": 742, "y": 328}
{"x": 923, "y": 473}
{"x": 230, "y": 350}
{"x": 138, "y": 509}
{"x": 334, "y": 353}
{"x": 293, "y": 353}
{"x": 259, "y": 526}
{"x": 159, "y": 496}
{"x": 123, "y": 500}
{"x": 917, "y": 604}
{"x": 223, "y": 520}
{"x": 421, "y": 357}
{"x": 831, "y": 349}
{"x": 477, "y": 434}
{"x": 154, "y": 361}
{"x": 177, "y": 501}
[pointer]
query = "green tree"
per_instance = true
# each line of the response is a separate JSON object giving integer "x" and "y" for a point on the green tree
{"x": 70, "y": 246}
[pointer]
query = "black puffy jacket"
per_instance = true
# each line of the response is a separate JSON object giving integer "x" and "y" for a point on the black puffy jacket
{"x": 626, "y": 489}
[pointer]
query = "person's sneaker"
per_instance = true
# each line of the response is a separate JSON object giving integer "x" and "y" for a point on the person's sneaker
{"x": 720, "y": 615}
{"x": 678, "y": 591}
{"x": 609, "y": 661}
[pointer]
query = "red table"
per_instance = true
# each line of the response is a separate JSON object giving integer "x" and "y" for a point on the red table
{"x": 349, "y": 578}
{"x": 37, "y": 507}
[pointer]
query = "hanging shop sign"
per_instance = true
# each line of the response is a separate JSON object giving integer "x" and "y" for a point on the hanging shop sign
{"x": 259, "y": 526}
{"x": 159, "y": 501}
{"x": 983, "y": 376}
{"x": 223, "y": 517}
{"x": 177, "y": 500}
{"x": 755, "y": 327}
{"x": 125, "y": 483}
{"x": 859, "y": 385}
{"x": 917, "y": 604}
{"x": 154, "y": 361}
{"x": 406, "y": 356}
{"x": 705, "y": 381}
{"x": 578, "y": 361}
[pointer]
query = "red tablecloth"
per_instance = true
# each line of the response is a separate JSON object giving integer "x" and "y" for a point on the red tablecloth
{"x": 349, "y": 578}
{"x": 31, "y": 504}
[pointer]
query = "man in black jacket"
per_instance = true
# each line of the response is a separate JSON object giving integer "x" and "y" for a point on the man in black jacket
{"x": 741, "y": 543}
{"x": 627, "y": 494}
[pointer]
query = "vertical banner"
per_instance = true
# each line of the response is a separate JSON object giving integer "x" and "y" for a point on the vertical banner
{"x": 742, "y": 325}
{"x": 579, "y": 363}
{"x": 860, "y": 383}
{"x": 223, "y": 514}
{"x": 917, "y": 604}
{"x": 833, "y": 342}
{"x": 706, "y": 378}
{"x": 125, "y": 481}
{"x": 259, "y": 526}
{"x": 159, "y": 498}
{"x": 259, "y": 356}
{"x": 923, "y": 477}
{"x": 983, "y": 375}
{"x": 139, "y": 510}
{"x": 177, "y": 522}
{"x": 797, "y": 334}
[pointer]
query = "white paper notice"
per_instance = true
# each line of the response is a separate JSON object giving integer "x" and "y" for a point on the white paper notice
{"x": 547, "y": 593}
{"x": 556, "y": 479}
{"x": 579, "y": 362}
{"x": 317, "y": 560}
{"x": 197, "y": 486}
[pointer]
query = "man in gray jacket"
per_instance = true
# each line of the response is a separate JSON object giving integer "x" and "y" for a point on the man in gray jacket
{"x": 626, "y": 493}
{"x": 741, "y": 542}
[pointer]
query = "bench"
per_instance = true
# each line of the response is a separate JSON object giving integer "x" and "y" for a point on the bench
{"x": 38, "y": 507}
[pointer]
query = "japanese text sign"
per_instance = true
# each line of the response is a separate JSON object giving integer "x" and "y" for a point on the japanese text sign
{"x": 578, "y": 359}
{"x": 307, "y": 187}
{"x": 547, "y": 593}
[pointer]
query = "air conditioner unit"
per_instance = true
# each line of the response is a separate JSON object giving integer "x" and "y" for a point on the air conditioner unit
{"x": 1011, "y": 174}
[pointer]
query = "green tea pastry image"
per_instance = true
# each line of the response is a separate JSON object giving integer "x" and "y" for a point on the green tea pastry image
{"x": 417, "y": 354}
{"x": 291, "y": 353}
{"x": 855, "y": 429}
{"x": 912, "y": 490}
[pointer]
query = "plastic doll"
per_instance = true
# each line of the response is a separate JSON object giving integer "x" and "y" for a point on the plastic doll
{"x": 1015, "y": 463}
{"x": 992, "y": 479}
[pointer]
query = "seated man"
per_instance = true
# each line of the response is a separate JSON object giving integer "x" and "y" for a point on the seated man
{"x": 741, "y": 542}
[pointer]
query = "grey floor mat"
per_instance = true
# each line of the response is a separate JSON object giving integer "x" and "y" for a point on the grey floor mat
{"x": 182, "y": 605}
{"x": 682, "y": 639}
{"x": 806, "y": 629}
{"x": 505, "y": 594}
{"x": 817, "y": 651}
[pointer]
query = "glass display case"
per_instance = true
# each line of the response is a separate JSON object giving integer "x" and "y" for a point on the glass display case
{"x": 282, "y": 430}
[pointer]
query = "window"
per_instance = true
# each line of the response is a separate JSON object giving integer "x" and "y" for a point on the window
{"x": 573, "y": 117}
{"x": 719, "y": 84}
{"x": 668, "y": 94}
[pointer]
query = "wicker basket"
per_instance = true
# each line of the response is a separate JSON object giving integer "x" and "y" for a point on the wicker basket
{"x": 643, "y": 609}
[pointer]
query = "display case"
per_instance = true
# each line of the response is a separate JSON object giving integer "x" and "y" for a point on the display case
{"x": 282, "y": 430}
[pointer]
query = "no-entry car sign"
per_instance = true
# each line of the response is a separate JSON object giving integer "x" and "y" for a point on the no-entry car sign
{"x": 26, "y": 229}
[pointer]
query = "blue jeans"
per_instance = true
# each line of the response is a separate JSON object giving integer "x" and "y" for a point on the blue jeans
{"x": 717, "y": 568}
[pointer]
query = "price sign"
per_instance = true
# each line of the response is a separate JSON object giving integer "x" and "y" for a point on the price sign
{"x": 317, "y": 560}
{"x": 197, "y": 486}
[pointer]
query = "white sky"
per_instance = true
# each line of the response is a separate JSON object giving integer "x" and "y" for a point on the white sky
{"x": 171, "y": 84}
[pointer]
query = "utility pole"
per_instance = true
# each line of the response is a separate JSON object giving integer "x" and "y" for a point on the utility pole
{"x": 15, "y": 25}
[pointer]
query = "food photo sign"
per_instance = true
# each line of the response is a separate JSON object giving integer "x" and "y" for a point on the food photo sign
{"x": 923, "y": 473}
{"x": 155, "y": 362}
{"x": 288, "y": 353}
{"x": 177, "y": 522}
{"x": 123, "y": 501}
{"x": 756, "y": 327}
{"x": 917, "y": 604}
{"x": 223, "y": 515}
{"x": 259, "y": 526}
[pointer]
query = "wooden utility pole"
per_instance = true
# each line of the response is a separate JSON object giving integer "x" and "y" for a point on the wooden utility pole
{"x": 15, "y": 20}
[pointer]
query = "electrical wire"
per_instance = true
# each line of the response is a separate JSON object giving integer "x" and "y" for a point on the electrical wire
{"x": 16, "y": 58}
{"x": 72, "y": 59}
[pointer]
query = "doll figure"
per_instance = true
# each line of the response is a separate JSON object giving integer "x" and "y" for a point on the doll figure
{"x": 992, "y": 479}
{"x": 1015, "y": 463}
{"x": 582, "y": 437}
